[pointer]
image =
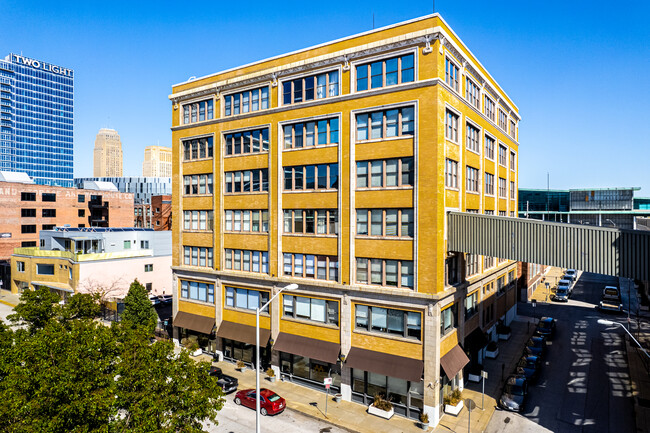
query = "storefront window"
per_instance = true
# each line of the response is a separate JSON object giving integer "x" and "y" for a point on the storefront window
{"x": 407, "y": 397}
{"x": 310, "y": 371}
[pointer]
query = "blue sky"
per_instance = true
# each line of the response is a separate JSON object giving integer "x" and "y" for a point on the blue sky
{"x": 576, "y": 69}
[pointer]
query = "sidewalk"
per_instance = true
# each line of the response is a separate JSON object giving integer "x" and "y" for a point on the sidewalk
{"x": 8, "y": 298}
{"x": 541, "y": 294}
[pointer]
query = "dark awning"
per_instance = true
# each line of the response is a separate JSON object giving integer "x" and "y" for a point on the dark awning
{"x": 453, "y": 361}
{"x": 386, "y": 364}
{"x": 309, "y": 347}
{"x": 243, "y": 333}
{"x": 194, "y": 322}
{"x": 476, "y": 340}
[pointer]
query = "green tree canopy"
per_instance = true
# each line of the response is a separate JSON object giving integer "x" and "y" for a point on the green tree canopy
{"x": 138, "y": 310}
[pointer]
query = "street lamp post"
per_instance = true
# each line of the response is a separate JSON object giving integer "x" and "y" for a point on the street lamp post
{"x": 257, "y": 354}
{"x": 611, "y": 323}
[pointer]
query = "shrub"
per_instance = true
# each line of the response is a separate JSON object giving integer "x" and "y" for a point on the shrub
{"x": 424, "y": 418}
{"x": 492, "y": 346}
{"x": 240, "y": 364}
{"x": 381, "y": 403}
{"x": 270, "y": 372}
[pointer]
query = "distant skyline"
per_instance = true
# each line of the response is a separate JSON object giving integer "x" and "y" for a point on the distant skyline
{"x": 570, "y": 67}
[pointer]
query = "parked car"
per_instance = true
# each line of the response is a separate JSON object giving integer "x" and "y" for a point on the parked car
{"x": 561, "y": 295}
{"x": 535, "y": 346}
{"x": 571, "y": 273}
{"x": 546, "y": 328}
{"x": 270, "y": 402}
{"x": 611, "y": 300}
{"x": 568, "y": 284}
{"x": 529, "y": 366}
{"x": 227, "y": 383}
{"x": 514, "y": 393}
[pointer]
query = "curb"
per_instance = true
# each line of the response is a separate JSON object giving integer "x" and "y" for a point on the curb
{"x": 325, "y": 420}
{"x": 7, "y": 303}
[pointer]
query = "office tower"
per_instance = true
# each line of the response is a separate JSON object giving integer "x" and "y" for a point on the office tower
{"x": 157, "y": 161}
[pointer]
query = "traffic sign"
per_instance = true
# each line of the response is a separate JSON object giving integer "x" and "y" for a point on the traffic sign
{"x": 484, "y": 374}
{"x": 327, "y": 381}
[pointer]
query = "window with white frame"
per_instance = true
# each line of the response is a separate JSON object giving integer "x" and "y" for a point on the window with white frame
{"x": 451, "y": 173}
{"x": 384, "y": 272}
{"x": 448, "y": 319}
{"x": 247, "y": 181}
{"x": 385, "y": 72}
{"x": 311, "y": 221}
{"x": 489, "y": 184}
{"x": 503, "y": 189}
{"x": 503, "y": 155}
{"x": 319, "y": 86}
{"x": 472, "y": 179}
{"x": 472, "y": 139}
{"x": 489, "y": 212}
{"x": 198, "y": 291}
{"x": 513, "y": 161}
{"x": 381, "y": 173}
{"x": 488, "y": 261}
{"x": 385, "y": 222}
{"x": 451, "y": 73}
{"x": 197, "y": 256}
{"x": 246, "y": 101}
{"x": 197, "y": 148}
{"x": 309, "y": 134}
{"x": 513, "y": 129}
{"x": 198, "y": 111}
{"x": 502, "y": 213}
{"x": 472, "y": 93}
{"x": 311, "y": 177}
{"x": 198, "y": 184}
{"x": 472, "y": 264}
{"x": 489, "y": 108}
{"x": 503, "y": 120}
{"x": 311, "y": 266}
{"x": 246, "y": 299}
{"x": 247, "y": 220}
{"x": 451, "y": 126}
{"x": 471, "y": 304}
{"x": 513, "y": 191}
{"x": 246, "y": 260}
{"x": 198, "y": 220}
{"x": 489, "y": 147}
{"x": 315, "y": 309}
{"x": 396, "y": 122}
{"x": 247, "y": 142}
{"x": 402, "y": 323}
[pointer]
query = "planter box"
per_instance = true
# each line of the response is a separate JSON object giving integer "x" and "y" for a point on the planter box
{"x": 492, "y": 355}
{"x": 454, "y": 410}
{"x": 504, "y": 337}
{"x": 380, "y": 413}
{"x": 197, "y": 352}
{"x": 476, "y": 378}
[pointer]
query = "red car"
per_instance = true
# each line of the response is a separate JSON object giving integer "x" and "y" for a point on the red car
{"x": 270, "y": 402}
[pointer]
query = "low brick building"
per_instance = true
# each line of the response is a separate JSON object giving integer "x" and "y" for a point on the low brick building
{"x": 157, "y": 215}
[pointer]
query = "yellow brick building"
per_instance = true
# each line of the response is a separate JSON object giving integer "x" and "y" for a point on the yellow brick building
{"x": 333, "y": 167}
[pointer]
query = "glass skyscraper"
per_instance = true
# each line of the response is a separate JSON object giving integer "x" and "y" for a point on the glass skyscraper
{"x": 36, "y": 119}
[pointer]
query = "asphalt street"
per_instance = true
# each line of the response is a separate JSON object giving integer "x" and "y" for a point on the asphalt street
{"x": 240, "y": 419}
{"x": 584, "y": 386}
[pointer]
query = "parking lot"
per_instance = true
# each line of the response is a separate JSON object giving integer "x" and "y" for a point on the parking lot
{"x": 584, "y": 385}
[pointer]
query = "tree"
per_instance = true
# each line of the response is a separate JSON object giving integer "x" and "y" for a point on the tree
{"x": 74, "y": 374}
{"x": 36, "y": 308}
{"x": 138, "y": 310}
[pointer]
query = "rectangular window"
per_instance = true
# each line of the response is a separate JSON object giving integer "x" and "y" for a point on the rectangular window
{"x": 388, "y": 123}
{"x": 197, "y": 256}
{"x": 20, "y": 266}
{"x": 489, "y": 184}
{"x": 198, "y": 148}
{"x": 28, "y": 228}
{"x": 309, "y": 134}
{"x": 387, "y": 72}
{"x": 203, "y": 108}
{"x": 385, "y": 173}
{"x": 27, "y": 196}
{"x": 49, "y": 213}
{"x": 451, "y": 126}
{"x": 471, "y": 304}
{"x": 406, "y": 324}
{"x": 48, "y": 226}
{"x": 253, "y": 141}
{"x": 241, "y": 102}
{"x": 385, "y": 222}
{"x": 47, "y": 196}
{"x": 311, "y": 266}
{"x": 512, "y": 190}
{"x": 503, "y": 120}
{"x": 247, "y": 220}
{"x": 317, "y": 310}
{"x": 513, "y": 129}
{"x": 246, "y": 260}
{"x": 197, "y": 291}
{"x": 148, "y": 267}
{"x": 44, "y": 269}
{"x": 312, "y": 87}
{"x": 472, "y": 139}
{"x": 451, "y": 173}
{"x": 310, "y": 221}
{"x": 503, "y": 193}
{"x": 472, "y": 93}
{"x": 471, "y": 264}
{"x": 489, "y": 108}
{"x": 385, "y": 272}
{"x": 448, "y": 320}
{"x": 198, "y": 184}
{"x": 81, "y": 198}
{"x": 472, "y": 180}
{"x": 451, "y": 74}
{"x": 489, "y": 147}
{"x": 246, "y": 181}
{"x": 513, "y": 161}
{"x": 503, "y": 155}
{"x": 28, "y": 213}
{"x": 311, "y": 177}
